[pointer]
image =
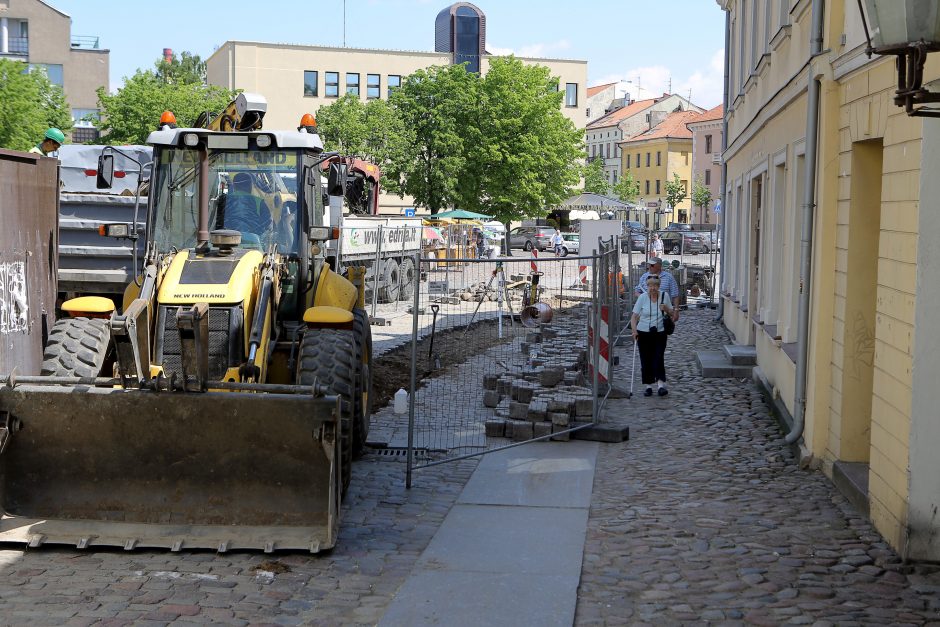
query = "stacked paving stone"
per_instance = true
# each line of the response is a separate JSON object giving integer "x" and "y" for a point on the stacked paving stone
{"x": 542, "y": 391}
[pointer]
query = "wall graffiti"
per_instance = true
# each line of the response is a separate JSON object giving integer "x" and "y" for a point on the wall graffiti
{"x": 14, "y": 308}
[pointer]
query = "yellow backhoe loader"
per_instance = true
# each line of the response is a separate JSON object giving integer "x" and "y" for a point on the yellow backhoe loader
{"x": 222, "y": 405}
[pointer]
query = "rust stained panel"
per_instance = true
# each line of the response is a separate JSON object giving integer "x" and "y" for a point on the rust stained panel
{"x": 29, "y": 238}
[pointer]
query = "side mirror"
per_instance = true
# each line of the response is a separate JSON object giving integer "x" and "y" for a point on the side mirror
{"x": 105, "y": 171}
{"x": 336, "y": 181}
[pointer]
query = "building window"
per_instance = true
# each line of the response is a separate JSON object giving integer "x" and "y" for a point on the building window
{"x": 708, "y": 143}
{"x": 628, "y": 162}
{"x": 657, "y": 186}
{"x": 85, "y": 117}
{"x": 647, "y": 187}
{"x": 615, "y": 178}
{"x": 685, "y": 157}
{"x": 708, "y": 176}
{"x": 685, "y": 186}
{"x": 332, "y": 84}
{"x": 608, "y": 151}
{"x": 593, "y": 150}
{"x": 637, "y": 159}
{"x": 85, "y": 135}
{"x": 647, "y": 159}
{"x": 659, "y": 158}
{"x": 394, "y": 82}
{"x": 373, "y": 86}
{"x": 467, "y": 26}
{"x": 311, "y": 82}
{"x": 352, "y": 83}
{"x": 53, "y": 72}
{"x": 571, "y": 94}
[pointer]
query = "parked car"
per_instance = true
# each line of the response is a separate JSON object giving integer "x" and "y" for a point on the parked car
{"x": 529, "y": 237}
{"x": 712, "y": 241}
{"x": 633, "y": 225}
{"x": 679, "y": 226}
{"x": 680, "y": 242}
{"x": 636, "y": 240}
{"x": 571, "y": 244}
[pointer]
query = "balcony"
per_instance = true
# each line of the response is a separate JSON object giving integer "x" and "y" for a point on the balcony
{"x": 85, "y": 42}
{"x": 716, "y": 158}
{"x": 16, "y": 47}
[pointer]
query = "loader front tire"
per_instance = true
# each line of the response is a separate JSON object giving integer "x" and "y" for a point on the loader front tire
{"x": 363, "y": 334}
{"x": 329, "y": 357}
{"x": 77, "y": 347}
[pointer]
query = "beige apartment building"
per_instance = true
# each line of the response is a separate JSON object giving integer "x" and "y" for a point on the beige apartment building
{"x": 37, "y": 33}
{"x": 603, "y": 135}
{"x": 864, "y": 408}
{"x": 706, "y": 161}
{"x": 299, "y": 79}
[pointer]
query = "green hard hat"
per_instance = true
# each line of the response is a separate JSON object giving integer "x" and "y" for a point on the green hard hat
{"x": 55, "y": 135}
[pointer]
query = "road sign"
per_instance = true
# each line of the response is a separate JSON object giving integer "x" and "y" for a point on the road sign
{"x": 717, "y": 206}
{"x": 409, "y": 212}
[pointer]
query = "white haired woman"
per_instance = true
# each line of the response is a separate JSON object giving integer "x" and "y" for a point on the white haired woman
{"x": 649, "y": 333}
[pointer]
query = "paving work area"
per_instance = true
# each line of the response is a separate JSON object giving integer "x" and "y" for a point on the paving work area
{"x": 702, "y": 516}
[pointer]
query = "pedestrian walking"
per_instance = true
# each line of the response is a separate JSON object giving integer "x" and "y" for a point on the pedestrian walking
{"x": 656, "y": 246}
{"x": 655, "y": 267}
{"x": 49, "y": 146}
{"x": 649, "y": 332}
{"x": 557, "y": 241}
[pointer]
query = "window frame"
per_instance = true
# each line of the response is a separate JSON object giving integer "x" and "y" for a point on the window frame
{"x": 357, "y": 86}
{"x": 388, "y": 82}
{"x": 569, "y": 102}
{"x": 370, "y": 86}
{"x": 316, "y": 84}
{"x": 327, "y": 84}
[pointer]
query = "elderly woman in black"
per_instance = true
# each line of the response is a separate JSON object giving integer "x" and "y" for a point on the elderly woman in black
{"x": 650, "y": 334}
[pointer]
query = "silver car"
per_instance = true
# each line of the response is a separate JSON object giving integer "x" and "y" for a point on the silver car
{"x": 570, "y": 244}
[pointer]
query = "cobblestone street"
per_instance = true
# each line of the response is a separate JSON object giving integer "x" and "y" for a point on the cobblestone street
{"x": 705, "y": 517}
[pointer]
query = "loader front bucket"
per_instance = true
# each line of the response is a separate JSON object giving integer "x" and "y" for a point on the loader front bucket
{"x": 131, "y": 468}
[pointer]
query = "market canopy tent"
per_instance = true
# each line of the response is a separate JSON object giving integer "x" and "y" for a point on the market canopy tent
{"x": 459, "y": 214}
{"x": 596, "y": 202}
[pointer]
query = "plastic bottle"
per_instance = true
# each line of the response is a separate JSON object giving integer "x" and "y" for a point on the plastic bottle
{"x": 401, "y": 401}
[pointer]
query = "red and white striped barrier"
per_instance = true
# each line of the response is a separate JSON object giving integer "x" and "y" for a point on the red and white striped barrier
{"x": 583, "y": 275}
{"x": 603, "y": 369}
{"x": 535, "y": 257}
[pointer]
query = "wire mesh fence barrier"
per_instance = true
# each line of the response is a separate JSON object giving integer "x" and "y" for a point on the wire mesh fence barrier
{"x": 500, "y": 351}
{"x": 694, "y": 273}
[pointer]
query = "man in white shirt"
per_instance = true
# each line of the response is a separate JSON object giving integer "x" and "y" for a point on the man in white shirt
{"x": 557, "y": 241}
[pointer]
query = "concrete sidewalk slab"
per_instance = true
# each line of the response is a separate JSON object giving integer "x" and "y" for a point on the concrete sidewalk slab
{"x": 541, "y": 474}
{"x": 509, "y": 552}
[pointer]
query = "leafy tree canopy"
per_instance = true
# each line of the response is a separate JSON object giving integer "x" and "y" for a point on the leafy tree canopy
{"x": 675, "y": 191}
{"x": 129, "y": 115}
{"x": 627, "y": 188}
{"x": 594, "y": 179}
{"x": 185, "y": 69}
{"x": 29, "y": 104}
{"x": 523, "y": 152}
{"x": 701, "y": 195}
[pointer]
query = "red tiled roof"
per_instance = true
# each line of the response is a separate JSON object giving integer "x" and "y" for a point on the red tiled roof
{"x": 592, "y": 91}
{"x": 623, "y": 113}
{"x": 673, "y": 126}
{"x": 715, "y": 113}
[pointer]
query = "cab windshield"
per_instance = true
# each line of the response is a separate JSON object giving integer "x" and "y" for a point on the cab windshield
{"x": 253, "y": 192}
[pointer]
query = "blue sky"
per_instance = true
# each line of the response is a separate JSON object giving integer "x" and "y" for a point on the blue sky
{"x": 647, "y": 42}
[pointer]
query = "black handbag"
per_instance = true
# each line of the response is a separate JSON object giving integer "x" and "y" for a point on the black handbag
{"x": 668, "y": 324}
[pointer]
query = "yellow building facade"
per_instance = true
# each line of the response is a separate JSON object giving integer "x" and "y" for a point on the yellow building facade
{"x": 871, "y": 395}
{"x": 654, "y": 157}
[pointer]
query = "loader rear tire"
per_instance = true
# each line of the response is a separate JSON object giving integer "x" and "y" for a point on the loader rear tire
{"x": 407, "y": 269}
{"x": 388, "y": 293}
{"x": 363, "y": 332}
{"x": 77, "y": 347}
{"x": 329, "y": 356}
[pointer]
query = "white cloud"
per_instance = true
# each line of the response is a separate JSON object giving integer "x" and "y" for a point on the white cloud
{"x": 541, "y": 50}
{"x": 706, "y": 82}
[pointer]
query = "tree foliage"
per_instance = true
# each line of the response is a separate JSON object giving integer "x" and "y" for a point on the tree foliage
{"x": 29, "y": 104}
{"x": 627, "y": 188}
{"x": 701, "y": 195}
{"x": 436, "y": 106}
{"x": 523, "y": 152}
{"x": 185, "y": 69}
{"x": 675, "y": 191}
{"x": 129, "y": 115}
{"x": 594, "y": 179}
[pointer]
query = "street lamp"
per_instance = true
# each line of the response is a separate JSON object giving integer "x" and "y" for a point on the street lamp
{"x": 909, "y": 30}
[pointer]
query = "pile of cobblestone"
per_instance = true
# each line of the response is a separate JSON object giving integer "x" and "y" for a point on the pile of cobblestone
{"x": 543, "y": 390}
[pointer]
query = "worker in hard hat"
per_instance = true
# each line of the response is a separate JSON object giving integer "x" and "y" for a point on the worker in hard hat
{"x": 50, "y": 143}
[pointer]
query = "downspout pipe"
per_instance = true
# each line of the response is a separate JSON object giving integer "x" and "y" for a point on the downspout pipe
{"x": 722, "y": 191}
{"x": 806, "y": 240}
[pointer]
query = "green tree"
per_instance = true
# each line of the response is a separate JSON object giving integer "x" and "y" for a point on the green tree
{"x": 342, "y": 126}
{"x": 594, "y": 179}
{"x": 523, "y": 153}
{"x": 436, "y": 106}
{"x": 701, "y": 195}
{"x": 185, "y": 69}
{"x": 675, "y": 192}
{"x": 29, "y": 104}
{"x": 627, "y": 188}
{"x": 129, "y": 115}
